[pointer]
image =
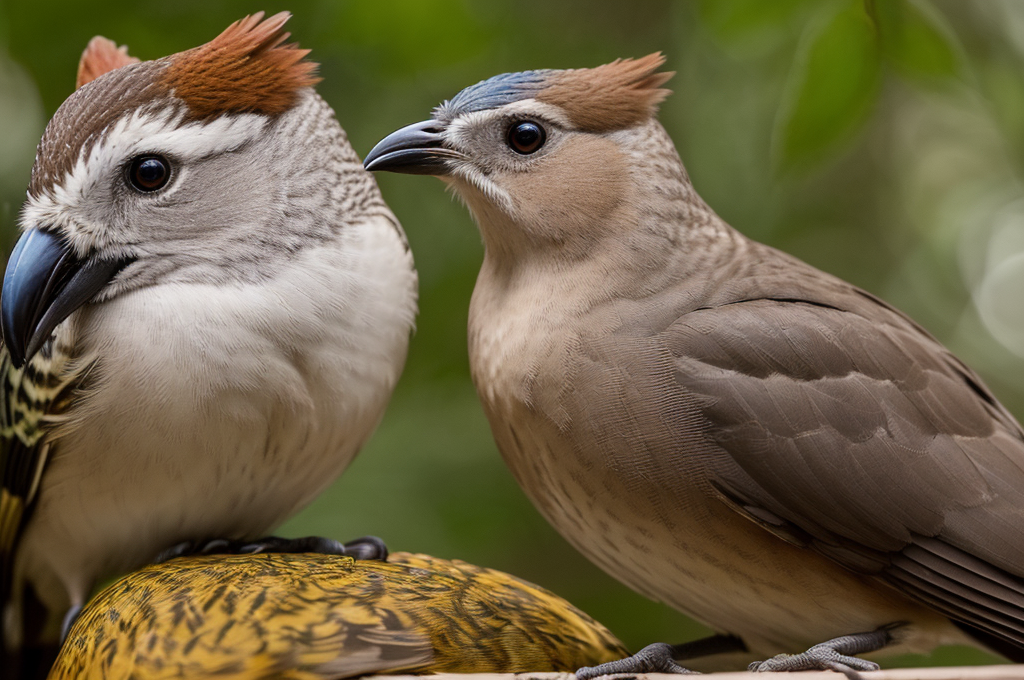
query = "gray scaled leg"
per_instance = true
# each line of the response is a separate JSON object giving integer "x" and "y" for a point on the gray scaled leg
{"x": 662, "y": 657}
{"x": 835, "y": 655}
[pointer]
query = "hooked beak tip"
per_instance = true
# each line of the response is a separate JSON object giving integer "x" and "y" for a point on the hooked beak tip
{"x": 44, "y": 283}
{"x": 416, "y": 149}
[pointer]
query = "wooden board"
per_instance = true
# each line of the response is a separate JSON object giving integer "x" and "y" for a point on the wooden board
{"x": 959, "y": 673}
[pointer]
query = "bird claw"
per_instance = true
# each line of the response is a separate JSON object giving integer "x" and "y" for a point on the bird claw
{"x": 834, "y": 655}
{"x": 308, "y": 544}
{"x": 656, "y": 658}
{"x": 365, "y": 548}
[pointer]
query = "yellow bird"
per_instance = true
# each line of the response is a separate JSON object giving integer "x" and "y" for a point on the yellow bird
{"x": 313, "y": 617}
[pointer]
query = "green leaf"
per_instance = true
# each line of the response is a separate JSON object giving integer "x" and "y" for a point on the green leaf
{"x": 917, "y": 40}
{"x": 738, "y": 22}
{"x": 832, "y": 85}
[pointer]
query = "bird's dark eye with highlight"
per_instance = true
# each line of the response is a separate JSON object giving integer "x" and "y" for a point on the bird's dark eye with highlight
{"x": 526, "y": 137}
{"x": 149, "y": 173}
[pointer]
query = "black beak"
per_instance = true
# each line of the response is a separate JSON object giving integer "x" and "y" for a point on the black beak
{"x": 416, "y": 149}
{"x": 43, "y": 284}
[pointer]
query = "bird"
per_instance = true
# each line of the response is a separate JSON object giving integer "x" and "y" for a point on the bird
{"x": 314, "y": 617}
{"x": 203, "y": 319}
{"x": 719, "y": 425}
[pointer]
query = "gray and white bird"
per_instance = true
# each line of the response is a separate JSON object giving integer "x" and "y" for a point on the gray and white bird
{"x": 203, "y": 319}
{"x": 718, "y": 425}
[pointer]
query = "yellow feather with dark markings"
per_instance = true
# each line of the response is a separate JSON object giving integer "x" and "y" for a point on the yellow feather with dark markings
{"x": 313, "y": 617}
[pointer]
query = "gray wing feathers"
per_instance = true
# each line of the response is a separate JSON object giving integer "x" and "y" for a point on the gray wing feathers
{"x": 848, "y": 427}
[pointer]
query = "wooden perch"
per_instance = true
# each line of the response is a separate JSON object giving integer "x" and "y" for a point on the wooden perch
{"x": 957, "y": 673}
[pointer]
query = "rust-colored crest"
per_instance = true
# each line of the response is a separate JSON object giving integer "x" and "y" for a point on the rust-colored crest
{"x": 100, "y": 56}
{"x": 609, "y": 97}
{"x": 247, "y": 68}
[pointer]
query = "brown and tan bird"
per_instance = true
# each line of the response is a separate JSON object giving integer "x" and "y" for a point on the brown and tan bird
{"x": 314, "y": 617}
{"x": 720, "y": 426}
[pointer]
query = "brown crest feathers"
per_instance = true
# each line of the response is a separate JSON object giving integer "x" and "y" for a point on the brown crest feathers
{"x": 101, "y": 56}
{"x": 609, "y": 97}
{"x": 247, "y": 68}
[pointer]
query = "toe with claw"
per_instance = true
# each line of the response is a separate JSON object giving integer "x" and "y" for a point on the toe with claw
{"x": 834, "y": 655}
{"x": 656, "y": 658}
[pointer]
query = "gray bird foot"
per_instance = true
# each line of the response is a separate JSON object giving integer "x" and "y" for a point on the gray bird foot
{"x": 834, "y": 655}
{"x": 365, "y": 548}
{"x": 656, "y": 658}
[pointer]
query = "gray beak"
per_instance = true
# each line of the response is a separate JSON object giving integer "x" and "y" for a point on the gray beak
{"x": 44, "y": 283}
{"x": 416, "y": 149}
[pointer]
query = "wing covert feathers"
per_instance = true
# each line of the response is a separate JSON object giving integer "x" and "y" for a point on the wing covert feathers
{"x": 839, "y": 424}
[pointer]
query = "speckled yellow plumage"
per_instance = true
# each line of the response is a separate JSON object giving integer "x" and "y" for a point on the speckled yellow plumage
{"x": 311, "y": 617}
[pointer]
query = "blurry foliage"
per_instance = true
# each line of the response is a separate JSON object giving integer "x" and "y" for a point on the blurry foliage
{"x": 866, "y": 136}
{"x": 835, "y": 78}
{"x": 832, "y": 84}
{"x": 916, "y": 39}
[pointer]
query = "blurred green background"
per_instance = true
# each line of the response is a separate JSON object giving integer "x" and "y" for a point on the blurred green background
{"x": 880, "y": 140}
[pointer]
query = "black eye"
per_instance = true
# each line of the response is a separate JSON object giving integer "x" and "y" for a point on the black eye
{"x": 149, "y": 173}
{"x": 526, "y": 137}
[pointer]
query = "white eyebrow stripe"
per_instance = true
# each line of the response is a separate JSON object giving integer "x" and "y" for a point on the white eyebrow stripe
{"x": 137, "y": 133}
{"x": 142, "y": 131}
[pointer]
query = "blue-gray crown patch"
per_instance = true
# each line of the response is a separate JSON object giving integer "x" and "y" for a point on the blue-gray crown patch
{"x": 493, "y": 92}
